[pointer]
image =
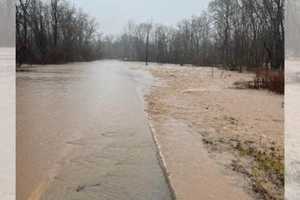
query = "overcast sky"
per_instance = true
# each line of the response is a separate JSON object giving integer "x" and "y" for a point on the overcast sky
{"x": 113, "y": 15}
{"x": 7, "y": 23}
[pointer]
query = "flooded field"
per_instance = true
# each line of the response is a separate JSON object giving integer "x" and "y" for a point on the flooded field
{"x": 82, "y": 134}
{"x": 202, "y": 122}
{"x": 7, "y": 124}
{"x": 292, "y": 137}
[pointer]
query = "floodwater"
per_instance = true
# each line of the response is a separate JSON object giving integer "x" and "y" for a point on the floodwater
{"x": 82, "y": 134}
{"x": 292, "y": 127}
{"x": 7, "y": 123}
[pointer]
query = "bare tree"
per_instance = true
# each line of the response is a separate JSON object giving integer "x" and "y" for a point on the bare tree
{"x": 54, "y": 6}
{"x": 55, "y": 32}
{"x": 147, "y": 29}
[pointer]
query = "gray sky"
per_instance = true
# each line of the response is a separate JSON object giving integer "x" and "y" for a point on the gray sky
{"x": 7, "y": 23}
{"x": 113, "y": 15}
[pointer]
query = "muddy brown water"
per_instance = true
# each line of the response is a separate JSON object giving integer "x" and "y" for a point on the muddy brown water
{"x": 82, "y": 134}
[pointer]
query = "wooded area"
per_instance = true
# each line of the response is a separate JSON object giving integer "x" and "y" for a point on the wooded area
{"x": 54, "y": 32}
{"x": 231, "y": 33}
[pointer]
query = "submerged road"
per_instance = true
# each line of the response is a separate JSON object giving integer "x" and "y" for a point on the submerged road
{"x": 82, "y": 134}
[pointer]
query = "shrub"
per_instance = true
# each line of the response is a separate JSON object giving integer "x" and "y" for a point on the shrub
{"x": 269, "y": 79}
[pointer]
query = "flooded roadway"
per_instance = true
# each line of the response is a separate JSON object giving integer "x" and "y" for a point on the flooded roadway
{"x": 82, "y": 134}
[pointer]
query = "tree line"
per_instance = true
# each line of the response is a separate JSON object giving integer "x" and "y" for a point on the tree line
{"x": 54, "y": 32}
{"x": 231, "y": 33}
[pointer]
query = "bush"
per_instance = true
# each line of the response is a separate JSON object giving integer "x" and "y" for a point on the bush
{"x": 55, "y": 56}
{"x": 269, "y": 79}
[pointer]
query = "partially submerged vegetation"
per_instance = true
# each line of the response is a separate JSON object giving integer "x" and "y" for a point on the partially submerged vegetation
{"x": 241, "y": 128}
{"x": 265, "y": 79}
{"x": 271, "y": 80}
{"x": 264, "y": 166}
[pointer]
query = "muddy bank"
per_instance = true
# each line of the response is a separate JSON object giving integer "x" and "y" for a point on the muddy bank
{"x": 213, "y": 134}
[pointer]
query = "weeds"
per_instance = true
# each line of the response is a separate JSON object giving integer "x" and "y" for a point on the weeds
{"x": 267, "y": 171}
{"x": 268, "y": 79}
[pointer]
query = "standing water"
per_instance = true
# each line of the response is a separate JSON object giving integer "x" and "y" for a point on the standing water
{"x": 82, "y": 134}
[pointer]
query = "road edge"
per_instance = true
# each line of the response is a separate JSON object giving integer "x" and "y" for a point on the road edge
{"x": 161, "y": 159}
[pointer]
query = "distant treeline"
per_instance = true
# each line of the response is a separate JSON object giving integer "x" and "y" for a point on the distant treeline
{"x": 232, "y": 33}
{"x": 54, "y": 32}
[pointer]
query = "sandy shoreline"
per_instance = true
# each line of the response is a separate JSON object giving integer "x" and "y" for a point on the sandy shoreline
{"x": 213, "y": 135}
